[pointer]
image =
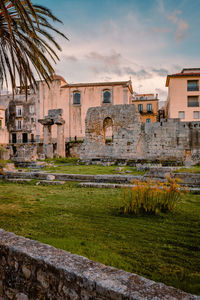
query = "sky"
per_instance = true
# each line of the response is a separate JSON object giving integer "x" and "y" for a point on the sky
{"x": 113, "y": 40}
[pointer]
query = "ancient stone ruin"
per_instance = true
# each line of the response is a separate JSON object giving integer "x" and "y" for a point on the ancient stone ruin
{"x": 54, "y": 118}
{"x": 129, "y": 139}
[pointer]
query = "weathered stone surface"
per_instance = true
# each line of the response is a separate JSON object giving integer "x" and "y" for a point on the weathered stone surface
{"x": 191, "y": 180}
{"x": 26, "y": 271}
{"x": 21, "y": 296}
{"x": 51, "y": 177}
{"x": 57, "y": 274}
{"x": 132, "y": 140}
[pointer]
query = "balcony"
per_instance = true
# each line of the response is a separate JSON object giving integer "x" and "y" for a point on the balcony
{"x": 192, "y": 88}
{"x": 149, "y": 112}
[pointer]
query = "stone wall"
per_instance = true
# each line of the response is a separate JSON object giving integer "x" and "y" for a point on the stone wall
{"x": 169, "y": 140}
{"x": 30, "y": 270}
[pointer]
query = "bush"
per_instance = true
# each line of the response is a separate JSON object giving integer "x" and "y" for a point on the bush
{"x": 151, "y": 197}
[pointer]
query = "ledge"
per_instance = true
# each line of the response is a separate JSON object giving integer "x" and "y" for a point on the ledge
{"x": 31, "y": 270}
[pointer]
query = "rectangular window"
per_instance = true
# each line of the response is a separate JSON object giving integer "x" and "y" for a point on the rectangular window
{"x": 196, "y": 114}
{"x": 193, "y": 101}
{"x": 0, "y": 124}
{"x": 140, "y": 107}
{"x": 149, "y": 108}
{"x": 19, "y": 111}
{"x": 14, "y": 138}
{"x": 77, "y": 98}
{"x": 193, "y": 85}
{"x": 19, "y": 124}
{"x": 148, "y": 121}
{"x": 181, "y": 115}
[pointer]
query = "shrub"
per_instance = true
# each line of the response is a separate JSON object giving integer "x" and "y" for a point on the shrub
{"x": 151, "y": 197}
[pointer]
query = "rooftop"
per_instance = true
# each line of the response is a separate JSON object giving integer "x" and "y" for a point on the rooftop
{"x": 88, "y": 84}
{"x": 190, "y": 72}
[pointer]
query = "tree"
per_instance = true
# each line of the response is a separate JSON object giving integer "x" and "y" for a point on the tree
{"x": 26, "y": 43}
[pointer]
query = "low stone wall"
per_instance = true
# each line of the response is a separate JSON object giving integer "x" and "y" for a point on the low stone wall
{"x": 30, "y": 270}
{"x": 74, "y": 148}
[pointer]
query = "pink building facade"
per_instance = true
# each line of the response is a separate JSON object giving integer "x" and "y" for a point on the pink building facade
{"x": 72, "y": 99}
{"x": 4, "y": 135}
{"x": 184, "y": 95}
{"x": 76, "y": 99}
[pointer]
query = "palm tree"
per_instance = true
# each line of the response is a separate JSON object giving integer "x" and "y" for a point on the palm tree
{"x": 26, "y": 44}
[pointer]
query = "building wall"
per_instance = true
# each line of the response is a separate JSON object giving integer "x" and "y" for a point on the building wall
{"x": 152, "y": 117}
{"x": 60, "y": 95}
{"x": 4, "y": 135}
{"x": 171, "y": 140}
{"x": 28, "y": 117}
{"x": 178, "y": 94}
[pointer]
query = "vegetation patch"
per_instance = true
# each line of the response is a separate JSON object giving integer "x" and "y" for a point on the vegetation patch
{"x": 195, "y": 169}
{"x": 86, "y": 221}
{"x": 151, "y": 197}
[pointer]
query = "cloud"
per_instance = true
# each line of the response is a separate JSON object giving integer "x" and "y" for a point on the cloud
{"x": 161, "y": 72}
{"x": 182, "y": 26}
{"x": 162, "y": 94}
{"x": 174, "y": 16}
{"x": 182, "y": 30}
{"x": 111, "y": 60}
{"x": 70, "y": 58}
{"x": 140, "y": 74}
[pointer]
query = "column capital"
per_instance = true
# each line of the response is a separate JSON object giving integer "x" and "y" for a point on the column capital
{"x": 59, "y": 121}
{"x": 46, "y": 121}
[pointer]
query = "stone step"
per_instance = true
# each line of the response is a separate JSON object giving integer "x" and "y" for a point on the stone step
{"x": 75, "y": 177}
{"x": 104, "y": 185}
{"x": 117, "y": 185}
{"x": 188, "y": 179}
{"x": 46, "y": 182}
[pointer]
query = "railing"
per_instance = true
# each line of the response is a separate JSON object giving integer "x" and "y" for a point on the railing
{"x": 146, "y": 112}
{"x": 21, "y": 141}
{"x": 193, "y": 104}
{"x": 192, "y": 88}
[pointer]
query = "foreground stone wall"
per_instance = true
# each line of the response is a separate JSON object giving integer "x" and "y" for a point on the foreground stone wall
{"x": 170, "y": 140}
{"x": 30, "y": 270}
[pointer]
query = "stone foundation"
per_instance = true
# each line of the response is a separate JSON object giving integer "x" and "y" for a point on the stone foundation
{"x": 30, "y": 270}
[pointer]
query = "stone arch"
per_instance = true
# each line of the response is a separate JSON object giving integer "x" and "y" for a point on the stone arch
{"x": 108, "y": 130}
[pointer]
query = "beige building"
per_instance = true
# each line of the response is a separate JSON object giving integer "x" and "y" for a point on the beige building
{"x": 4, "y": 136}
{"x": 73, "y": 100}
{"x": 184, "y": 95}
{"x": 147, "y": 106}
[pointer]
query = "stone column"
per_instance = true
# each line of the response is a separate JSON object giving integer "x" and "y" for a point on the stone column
{"x": 60, "y": 137}
{"x": 47, "y": 143}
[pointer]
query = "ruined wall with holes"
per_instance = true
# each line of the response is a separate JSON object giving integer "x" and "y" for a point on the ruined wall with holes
{"x": 171, "y": 140}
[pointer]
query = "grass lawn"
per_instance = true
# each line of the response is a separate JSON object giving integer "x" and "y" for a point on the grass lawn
{"x": 195, "y": 169}
{"x": 91, "y": 169}
{"x": 87, "y": 222}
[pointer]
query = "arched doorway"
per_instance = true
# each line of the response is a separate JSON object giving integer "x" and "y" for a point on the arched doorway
{"x": 108, "y": 131}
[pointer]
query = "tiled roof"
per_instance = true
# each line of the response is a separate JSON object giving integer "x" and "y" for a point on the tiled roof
{"x": 190, "y": 74}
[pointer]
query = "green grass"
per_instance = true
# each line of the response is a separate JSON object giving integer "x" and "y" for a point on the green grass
{"x": 86, "y": 221}
{"x": 195, "y": 169}
{"x": 72, "y": 165}
{"x": 91, "y": 169}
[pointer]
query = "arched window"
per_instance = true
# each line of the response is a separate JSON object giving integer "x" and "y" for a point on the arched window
{"x": 77, "y": 98}
{"x": 108, "y": 130}
{"x": 107, "y": 96}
